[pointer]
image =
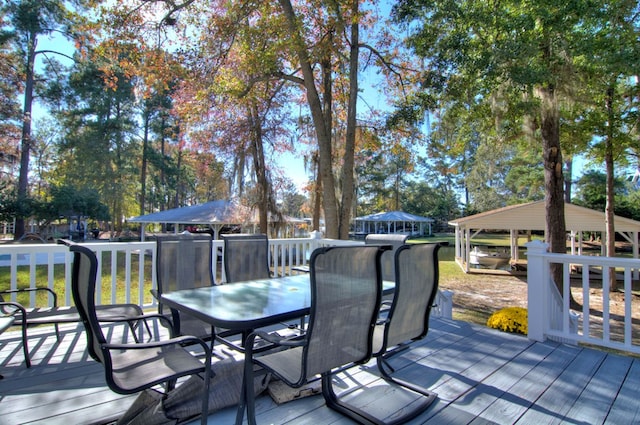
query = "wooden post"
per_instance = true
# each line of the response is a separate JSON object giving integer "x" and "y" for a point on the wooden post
{"x": 537, "y": 292}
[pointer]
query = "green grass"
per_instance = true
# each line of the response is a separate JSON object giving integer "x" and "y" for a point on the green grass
{"x": 449, "y": 271}
{"x": 22, "y": 277}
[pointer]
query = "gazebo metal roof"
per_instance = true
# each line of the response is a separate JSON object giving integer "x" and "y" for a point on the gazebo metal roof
{"x": 213, "y": 212}
{"x": 395, "y": 216}
{"x": 387, "y": 222}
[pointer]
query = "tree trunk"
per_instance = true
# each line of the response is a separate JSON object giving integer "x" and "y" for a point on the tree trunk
{"x": 317, "y": 201}
{"x": 568, "y": 179}
{"x": 321, "y": 125}
{"x": 143, "y": 168}
{"x": 609, "y": 213}
{"x": 350, "y": 137}
{"x": 555, "y": 227}
{"x": 25, "y": 147}
{"x": 260, "y": 169}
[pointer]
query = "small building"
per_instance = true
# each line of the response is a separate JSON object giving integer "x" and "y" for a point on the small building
{"x": 394, "y": 222}
{"x": 530, "y": 217}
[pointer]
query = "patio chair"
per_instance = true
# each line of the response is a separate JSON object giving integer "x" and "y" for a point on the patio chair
{"x": 416, "y": 267}
{"x": 246, "y": 257}
{"x": 387, "y": 260}
{"x": 26, "y": 317}
{"x": 184, "y": 261}
{"x": 131, "y": 368}
{"x": 345, "y": 296}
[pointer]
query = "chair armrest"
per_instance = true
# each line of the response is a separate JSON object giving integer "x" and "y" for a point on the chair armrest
{"x": 16, "y": 307}
{"x": 49, "y": 290}
{"x": 278, "y": 340}
{"x": 145, "y": 317}
{"x": 181, "y": 340}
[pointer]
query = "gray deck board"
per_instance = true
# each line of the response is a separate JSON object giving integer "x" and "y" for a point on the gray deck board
{"x": 481, "y": 376}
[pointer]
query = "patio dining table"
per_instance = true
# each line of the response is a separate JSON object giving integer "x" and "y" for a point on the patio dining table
{"x": 244, "y": 306}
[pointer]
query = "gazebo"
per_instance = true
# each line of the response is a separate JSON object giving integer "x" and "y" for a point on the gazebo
{"x": 531, "y": 217}
{"x": 215, "y": 214}
{"x": 393, "y": 222}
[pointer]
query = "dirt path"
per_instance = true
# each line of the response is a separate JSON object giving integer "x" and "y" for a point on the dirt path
{"x": 476, "y": 297}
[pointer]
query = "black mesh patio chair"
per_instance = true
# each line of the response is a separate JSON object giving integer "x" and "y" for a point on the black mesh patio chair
{"x": 407, "y": 320}
{"x": 246, "y": 257}
{"x": 387, "y": 264}
{"x": 345, "y": 296}
{"x": 184, "y": 261}
{"x": 131, "y": 368}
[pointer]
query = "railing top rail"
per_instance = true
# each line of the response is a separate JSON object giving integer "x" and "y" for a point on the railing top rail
{"x": 588, "y": 259}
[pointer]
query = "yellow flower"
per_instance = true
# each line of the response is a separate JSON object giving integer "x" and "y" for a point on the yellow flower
{"x": 511, "y": 319}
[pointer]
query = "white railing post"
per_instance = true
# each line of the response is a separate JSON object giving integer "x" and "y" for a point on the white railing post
{"x": 315, "y": 237}
{"x": 536, "y": 290}
{"x": 445, "y": 304}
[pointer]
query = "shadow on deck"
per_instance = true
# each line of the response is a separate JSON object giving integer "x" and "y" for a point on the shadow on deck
{"x": 480, "y": 376}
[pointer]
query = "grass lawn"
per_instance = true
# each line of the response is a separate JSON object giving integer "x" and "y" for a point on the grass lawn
{"x": 476, "y": 297}
{"x": 59, "y": 281}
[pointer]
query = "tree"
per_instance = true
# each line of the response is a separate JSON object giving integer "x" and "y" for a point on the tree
{"x": 610, "y": 83}
{"x": 519, "y": 59}
{"x": 437, "y": 203}
{"x": 31, "y": 19}
{"x": 100, "y": 147}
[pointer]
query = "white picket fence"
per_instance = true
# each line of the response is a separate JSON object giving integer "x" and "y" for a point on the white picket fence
{"x": 133, "y": 261}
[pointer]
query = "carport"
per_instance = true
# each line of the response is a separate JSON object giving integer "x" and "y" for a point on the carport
{"x": 531, "y": 217}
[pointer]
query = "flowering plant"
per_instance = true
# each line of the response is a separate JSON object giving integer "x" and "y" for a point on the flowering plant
{"x": 511, "y": 319}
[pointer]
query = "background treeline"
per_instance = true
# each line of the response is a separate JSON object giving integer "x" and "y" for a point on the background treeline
{"x": 116, "y": 109}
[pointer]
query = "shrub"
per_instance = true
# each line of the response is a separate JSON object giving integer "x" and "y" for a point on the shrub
{"x": 511, "y": 319}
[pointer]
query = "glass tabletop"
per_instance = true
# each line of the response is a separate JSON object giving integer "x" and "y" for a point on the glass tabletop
{"x": 249, "y": 305}
{"x": 246, "y": 305}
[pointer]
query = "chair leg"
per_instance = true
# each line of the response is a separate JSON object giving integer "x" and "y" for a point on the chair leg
{"x": 25, "y": 345}
{"x": 360, "y": 416}
{"x": 334, "y": 402}
{"x": 132, "y": 328}
{"x": 205, "y": 397}
{"x": 243, "y": 402}
{"x": 431, "y": 396}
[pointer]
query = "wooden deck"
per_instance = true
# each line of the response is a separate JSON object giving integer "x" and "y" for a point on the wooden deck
{"x": 481, "y": 376}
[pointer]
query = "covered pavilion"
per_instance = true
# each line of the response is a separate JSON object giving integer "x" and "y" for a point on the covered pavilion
{"x": 215, "y": 215}
{"x": 393, "y": 222}
{"x": 530, "y": 217}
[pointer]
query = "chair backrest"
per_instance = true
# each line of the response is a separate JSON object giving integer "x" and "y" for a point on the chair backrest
{"x": 184, "y": 261}
{"x": 246, "y": 257}
{"x": 345, "y": 298}
{"x": 415, "y": 292}
{"x": 387, "y": 262}
{"x": 83, "y": 288}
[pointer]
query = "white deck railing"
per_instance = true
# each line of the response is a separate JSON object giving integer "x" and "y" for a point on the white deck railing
{"x": 131, "y": 264}
{"x": 550, "y": 315}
